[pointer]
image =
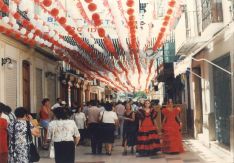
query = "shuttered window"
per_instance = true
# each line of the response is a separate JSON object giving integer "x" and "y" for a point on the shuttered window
{"x": 11, "y": 86}
{"x": 39, "y": 93}
{"x": 51, "y": 88}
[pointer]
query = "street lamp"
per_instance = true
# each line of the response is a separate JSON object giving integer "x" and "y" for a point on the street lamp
{"x": 9, "y": 61}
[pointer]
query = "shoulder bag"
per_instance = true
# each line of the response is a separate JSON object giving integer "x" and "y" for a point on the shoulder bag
{"x": 33, "y": 153}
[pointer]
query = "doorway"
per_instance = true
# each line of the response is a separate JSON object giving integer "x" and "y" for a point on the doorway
{"x": 26, "y": 85}
{"x": 222, "y": 100}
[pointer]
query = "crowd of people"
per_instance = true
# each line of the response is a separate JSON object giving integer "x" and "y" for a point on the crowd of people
{"x": 66, "y": 127}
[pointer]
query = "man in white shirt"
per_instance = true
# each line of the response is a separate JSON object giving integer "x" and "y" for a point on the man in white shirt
{"x": 120, "y": 109}
{"x": 57, "y": 104}
{"x": 93, "y": 124}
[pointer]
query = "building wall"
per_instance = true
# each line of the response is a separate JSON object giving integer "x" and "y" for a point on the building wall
{"x": 18, "y": 52}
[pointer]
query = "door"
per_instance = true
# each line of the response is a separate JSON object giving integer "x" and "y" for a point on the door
{"x": 26, "y": 85}
{"x": 222, "y": 100}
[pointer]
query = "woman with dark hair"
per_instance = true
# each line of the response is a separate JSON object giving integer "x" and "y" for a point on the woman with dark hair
{"x": 18, "y": 137}
{"x": 129, "y": 129}
{"x": 45, "y": 116}
{"x": 172, "y": 139}
{"x": 3, "y": 139}
{"x": 148, "y": 142}
{"x": 65, "y": 136}
{"x": 108, "y": 120}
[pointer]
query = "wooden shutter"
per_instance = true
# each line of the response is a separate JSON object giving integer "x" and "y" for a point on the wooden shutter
{"x": 11, "y": 86}
{"x": 39, "y": 92}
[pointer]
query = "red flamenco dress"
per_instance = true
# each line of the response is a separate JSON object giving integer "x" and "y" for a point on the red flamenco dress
{"x": 148, "y": 142}
{"x": 3, "y": 141}
{"x": 172, "y": 139}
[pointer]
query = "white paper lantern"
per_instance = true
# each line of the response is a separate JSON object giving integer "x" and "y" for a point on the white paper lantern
{"x": 23, "y": 31}
{"x": 13, "y": 7}
{"x": 30, "y": 35}
{"x": 16, "y": 27}
{"x": 56, "y": 37}
{"x": 51, "y": 33}
{"x": 6, "y": 19}
{"x": 30, "y": 15}
{"x": 37, "y": 38}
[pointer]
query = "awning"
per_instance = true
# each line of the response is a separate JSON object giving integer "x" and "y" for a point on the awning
{"x": 192, "y": 47}
{"x": 182, "y": 66}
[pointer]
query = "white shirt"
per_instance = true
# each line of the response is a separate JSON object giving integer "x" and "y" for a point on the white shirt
{"x": 57, "y": 105}
{"x": 79, "y": 119}
{"x": 109, "y": 116}
{"x": 62, "y": 130}
{"x": 120, "y": 109}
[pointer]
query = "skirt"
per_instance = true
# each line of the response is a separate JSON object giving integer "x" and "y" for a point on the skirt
{"x": 106, "y": 133}
{"x": 64, "y": 152}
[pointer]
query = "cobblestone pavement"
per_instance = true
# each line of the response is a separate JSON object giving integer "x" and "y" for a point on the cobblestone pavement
{"x": 194, "y": 153}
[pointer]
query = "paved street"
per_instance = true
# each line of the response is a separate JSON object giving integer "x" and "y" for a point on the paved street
{"x": 195, "y": 153}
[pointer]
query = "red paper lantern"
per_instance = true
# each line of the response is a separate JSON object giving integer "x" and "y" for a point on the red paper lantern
{"x": 169, "y": 11}
{"x": 172, "y": 3}
{"x": 130, "y": 3}
{"x": 92, "y": 7}
{"x": 165, "y": 23}
{"x": 2, "y": 29}
{"x": 166, "y": 18}
{"x": 47, "y": 3}
{"x": 130, "y": 11}
{"x": 101, "y": 32}
{"x": 8, "y": 32}
{"x": 37, "y": 32}
{"x": 88, "y": 1}
{"x": 95, "y": 16}
{"x": 1, "y": 4}
{"x": 131, "y": 18}
{"x": 62, "y": 20}
{"x": 54, "y": 12}
{"x": 163, "y": 29}
{"x": 16, "y": 16}
{"x": 30, "y": 27}
{"x": 17, "y": 36}
{"x": 5, "y": 9}
{"x": 25, "y": 23}
{"x": 97, "y": 22}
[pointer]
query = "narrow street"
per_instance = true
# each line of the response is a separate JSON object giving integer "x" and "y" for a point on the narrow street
{"x": 194, "y": 153}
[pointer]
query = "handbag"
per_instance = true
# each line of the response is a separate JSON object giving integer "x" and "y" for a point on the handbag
{"x": 51, "y": 154}
{"x": 33, "y": 153}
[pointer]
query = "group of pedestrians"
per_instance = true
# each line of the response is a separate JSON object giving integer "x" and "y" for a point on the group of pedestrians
{"x": 102, "y": 123}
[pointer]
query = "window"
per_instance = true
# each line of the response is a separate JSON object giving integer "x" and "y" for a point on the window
{"x": 212, "y": 12}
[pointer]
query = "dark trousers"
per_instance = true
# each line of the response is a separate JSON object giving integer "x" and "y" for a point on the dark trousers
{"x": 82, "y": 135}
{"x": 96, "y": 144}
{"x": 64, "y": 152}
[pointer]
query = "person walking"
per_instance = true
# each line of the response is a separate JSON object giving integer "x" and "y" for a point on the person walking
{"x": 108, "y": 120}
{"x": 129, "y": 129}
{"x": 148, "y": 142}
{"x": 18, "y": 137}
{"x": 120, "y": 109}
{"x": 172, "y": 139}
{"x": 3, "y": 139}
{"x": 93, "y": 126}
{"x": 65, "y": 136}
{"x": 80, "y": 120}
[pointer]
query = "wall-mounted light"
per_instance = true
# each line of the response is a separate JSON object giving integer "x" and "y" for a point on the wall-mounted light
{"x": 7, "y": 61}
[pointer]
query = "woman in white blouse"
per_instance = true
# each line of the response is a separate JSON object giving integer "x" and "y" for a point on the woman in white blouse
{"x": 65, "y": 135}
{"x": 109, "y": 120}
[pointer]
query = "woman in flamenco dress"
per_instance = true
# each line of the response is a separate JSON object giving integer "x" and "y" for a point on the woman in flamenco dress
{"x": 148, "y": 142}
{"x": 172, "y": 139}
